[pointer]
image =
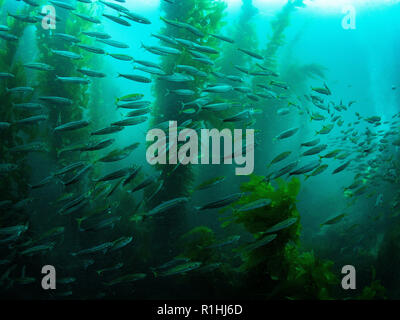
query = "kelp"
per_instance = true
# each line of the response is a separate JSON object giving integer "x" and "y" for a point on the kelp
{"x": 14, "y": 185}
{"x": 257, "y": 221}
{"x": 231, "y": 57}
{"x": 279, "y": 25}
{"x": 195, "y": 243}
{"x": 278, "y": 269}
{"x": 49, "y": 86}
{"x": 207, "y": 16}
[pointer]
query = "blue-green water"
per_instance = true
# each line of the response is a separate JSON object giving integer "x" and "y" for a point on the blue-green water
{"x": 327, "y": 75}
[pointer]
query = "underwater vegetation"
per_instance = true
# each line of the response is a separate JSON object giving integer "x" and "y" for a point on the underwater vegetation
{"x": 78, "y": 191}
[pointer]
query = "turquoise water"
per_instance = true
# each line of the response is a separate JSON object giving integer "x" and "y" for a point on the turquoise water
{"x": 115, "y": 226}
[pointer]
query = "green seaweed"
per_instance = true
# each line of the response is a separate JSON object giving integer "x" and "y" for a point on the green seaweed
{"x": 195, "y": 243}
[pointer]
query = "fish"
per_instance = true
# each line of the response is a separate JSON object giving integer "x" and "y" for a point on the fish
{"x": 114, "y": 175}
{"x": 241, "y": 116}
{"x": 96, "y": 34}
{"x": 342, "y": 167}
{"x": 279, "y": 84}
{"x": 227, "y": 200}
{"x": 126, "y": 279}
{"x": 118, "y": 56}
{"x": 6, "y": 75}
{"x": 224, "y": 243}
{"x": 306, "y": 168}
{"x": 67, "y": 54}
{"x": 134, "y": 104}
{"x": 260, "y": 242}
{"x": 92, "y": 73}
{"x": 280, "y": 157}
{"x": 59, "y": 101}
{"x": 113, "y": 43}
{"x": 136, "y": 17}
{"x": 287, "y": 133}
{"x": 167, "y": 39}
{"x": 161, "y": 50}
{"x": 87, "y": 18}
{"x": 78, "y": 175}
{"x": 218, "y": 89}
{"x": 117, "y": 155}
{"x": 98, "y": 223}
{"x": 167, "y": 205}
{"x": 4, "y": 28}
{"x": 91, "y": 49}
{"x": 332, "y": 154}
{"x": 117, "y": 19}
{"x": 121, "y": 243}
{"x": 138, "y": 112}
{"x": 334, "y": 220}
{"x": 38, "y": 249}
{"x": 23, "y": 17}
{"x": 62, "y": 5}
{"x": 135, "y": 77}
{"x": 326, "y": 129}
{"x": 69, "y": 168}
{"x": 71, "y": 126}
{"x": 325, "y": 90}
{"x": 31, "y": 3}
{"x": 42, "y": 183}
{"x": 114, "y": 6}
{"x": 130, "y": 121}
{"x": 317, "y": 171}
{"x": 20, "y": 90}
{"x": 104, "y": 247}
{"x": 32, "y": 120}
{"x": 130, "y": 97}
{"x": 286, "y": 169}
{"x": 260, "y": 203}
{"x": 113, "y": 268}
{"x": 39, "y": 66}
{"x": 281, "y": 225}
{"x": 8, "y": 37}
{"x": 4, "y": 125}
{"x": 14, "y": 230}
{"x": 107, "y": 130}
{"x": 251, "y": 54}
{"x": 67, "y": 37}
{"x": 210, "y": 183}
{"x": 66, "y": 280}
{"x": 177, "y": 77}
{"x": 315, "y": 150}
{"x": 179, "y": 269}
{"x": 283, "y": 111}
{"x": 30, "y": 147}
{"x": 73, "y": 203}
{"x": 175, "y": 261}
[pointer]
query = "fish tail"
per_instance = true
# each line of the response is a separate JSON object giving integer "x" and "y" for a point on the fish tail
{"x": 168, "y": 92}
